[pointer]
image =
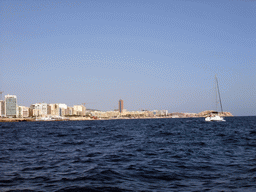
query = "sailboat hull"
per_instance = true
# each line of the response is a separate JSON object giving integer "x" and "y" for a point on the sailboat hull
{"x": 214, "y": 118}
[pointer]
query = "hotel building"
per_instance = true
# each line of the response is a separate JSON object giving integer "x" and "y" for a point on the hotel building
{"x": 11, "y": 106}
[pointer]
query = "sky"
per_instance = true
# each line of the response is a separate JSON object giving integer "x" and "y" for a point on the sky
{"x": 151, "y": 54}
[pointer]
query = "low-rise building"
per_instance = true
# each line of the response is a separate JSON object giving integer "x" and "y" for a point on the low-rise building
{"x": 160, "y": 112}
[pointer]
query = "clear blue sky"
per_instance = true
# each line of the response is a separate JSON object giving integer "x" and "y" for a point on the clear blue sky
{"x": 152, "y": 54}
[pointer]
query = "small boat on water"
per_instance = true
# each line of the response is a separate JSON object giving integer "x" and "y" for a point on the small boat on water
{"x": 214, "y": 115}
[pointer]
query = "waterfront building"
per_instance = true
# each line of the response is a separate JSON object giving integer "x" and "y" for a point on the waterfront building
{"x": 53, "y": 110}
{"x": 160, "y": 112}
{"x": 30, "y": 112}
{"x": 49, "y": 109}
{"x": 79, "y": 110}
{"x": 2, "y": 111}
{"x": 11, "y": 106}
{"x": 133, "y": 114}
{"x": 107, "y": 114}
{"x": 62, "y": 108}
{"x": 23, "y": 112}
{"x": 120, "y": 105}
{"x": 39, "y": 109}
{"x": 69, "y": 111}
{"x": 112, "y": 114}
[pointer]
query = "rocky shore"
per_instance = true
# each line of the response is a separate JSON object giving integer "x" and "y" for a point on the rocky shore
{"x": 206, "y": 113}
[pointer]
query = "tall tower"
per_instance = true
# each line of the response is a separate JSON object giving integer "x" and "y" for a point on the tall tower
{"x": 120, "y": 105}
{"x": 10, "y": 105}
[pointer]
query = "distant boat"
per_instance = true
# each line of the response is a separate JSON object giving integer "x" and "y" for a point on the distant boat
{"x": 214, "y": 115}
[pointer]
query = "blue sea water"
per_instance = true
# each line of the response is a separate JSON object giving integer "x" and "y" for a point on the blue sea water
{"x": 129, "y": 155}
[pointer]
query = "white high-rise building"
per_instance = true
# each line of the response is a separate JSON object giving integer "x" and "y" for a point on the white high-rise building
{"x": 11, "y": 107}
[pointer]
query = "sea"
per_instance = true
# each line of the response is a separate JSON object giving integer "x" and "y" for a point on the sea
{"x": 144, "y": 155}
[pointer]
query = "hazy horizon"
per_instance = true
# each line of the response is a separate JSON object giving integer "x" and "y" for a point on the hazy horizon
{"x": 151, "y": 54}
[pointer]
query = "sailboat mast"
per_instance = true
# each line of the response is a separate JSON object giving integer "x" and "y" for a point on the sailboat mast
{"x": 216, "y": 99}
{"x": 219, "y": 93}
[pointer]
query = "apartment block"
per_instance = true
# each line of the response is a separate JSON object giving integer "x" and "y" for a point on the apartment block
{"x": 62, "y": 108}
{"x": 69, "y": 111}
{"x": 79, "y": 110}
{"x": 53, "y": 110}
{"x": 11, "y": 106}
{"x": 23, "y": 112}
{"x": 39, "y": 109}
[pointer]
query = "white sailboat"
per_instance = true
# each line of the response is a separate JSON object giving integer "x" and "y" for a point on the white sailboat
{"x": 214, "y": 116}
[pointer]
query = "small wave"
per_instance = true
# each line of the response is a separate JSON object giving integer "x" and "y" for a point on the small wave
{"x": 33, "y": 168}
{"x": 6, "y": 126}
{"x": 61, "y": 135}
{"x": 109, "y": 172}
{"x": 93, "y": 154}
{"x": 73, "y": 142}
{"x": 22, "y": 190}
{"x": 94, "y": 174}
{"x": 150, "y": 154}
{"x": 41, "y": 178}
{"x": 176, "y": 157}
{"x": 253, "y": 170}
{"x": 253, "y": 132}
{"x": 154, "y": 175}
{"x": 75, "y": 179}
{"x": 93, "y": 189}
{"x": 6, "y": 180}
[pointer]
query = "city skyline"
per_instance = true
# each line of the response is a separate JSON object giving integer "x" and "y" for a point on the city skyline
{"x": 10, "y": 110}
{"x": 153, "y": 55}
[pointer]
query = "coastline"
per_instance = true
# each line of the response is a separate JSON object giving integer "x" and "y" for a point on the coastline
{"x": 89, "y": 119}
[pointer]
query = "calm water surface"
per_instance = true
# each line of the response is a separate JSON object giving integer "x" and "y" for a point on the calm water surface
{"x": 129, "y": 155}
